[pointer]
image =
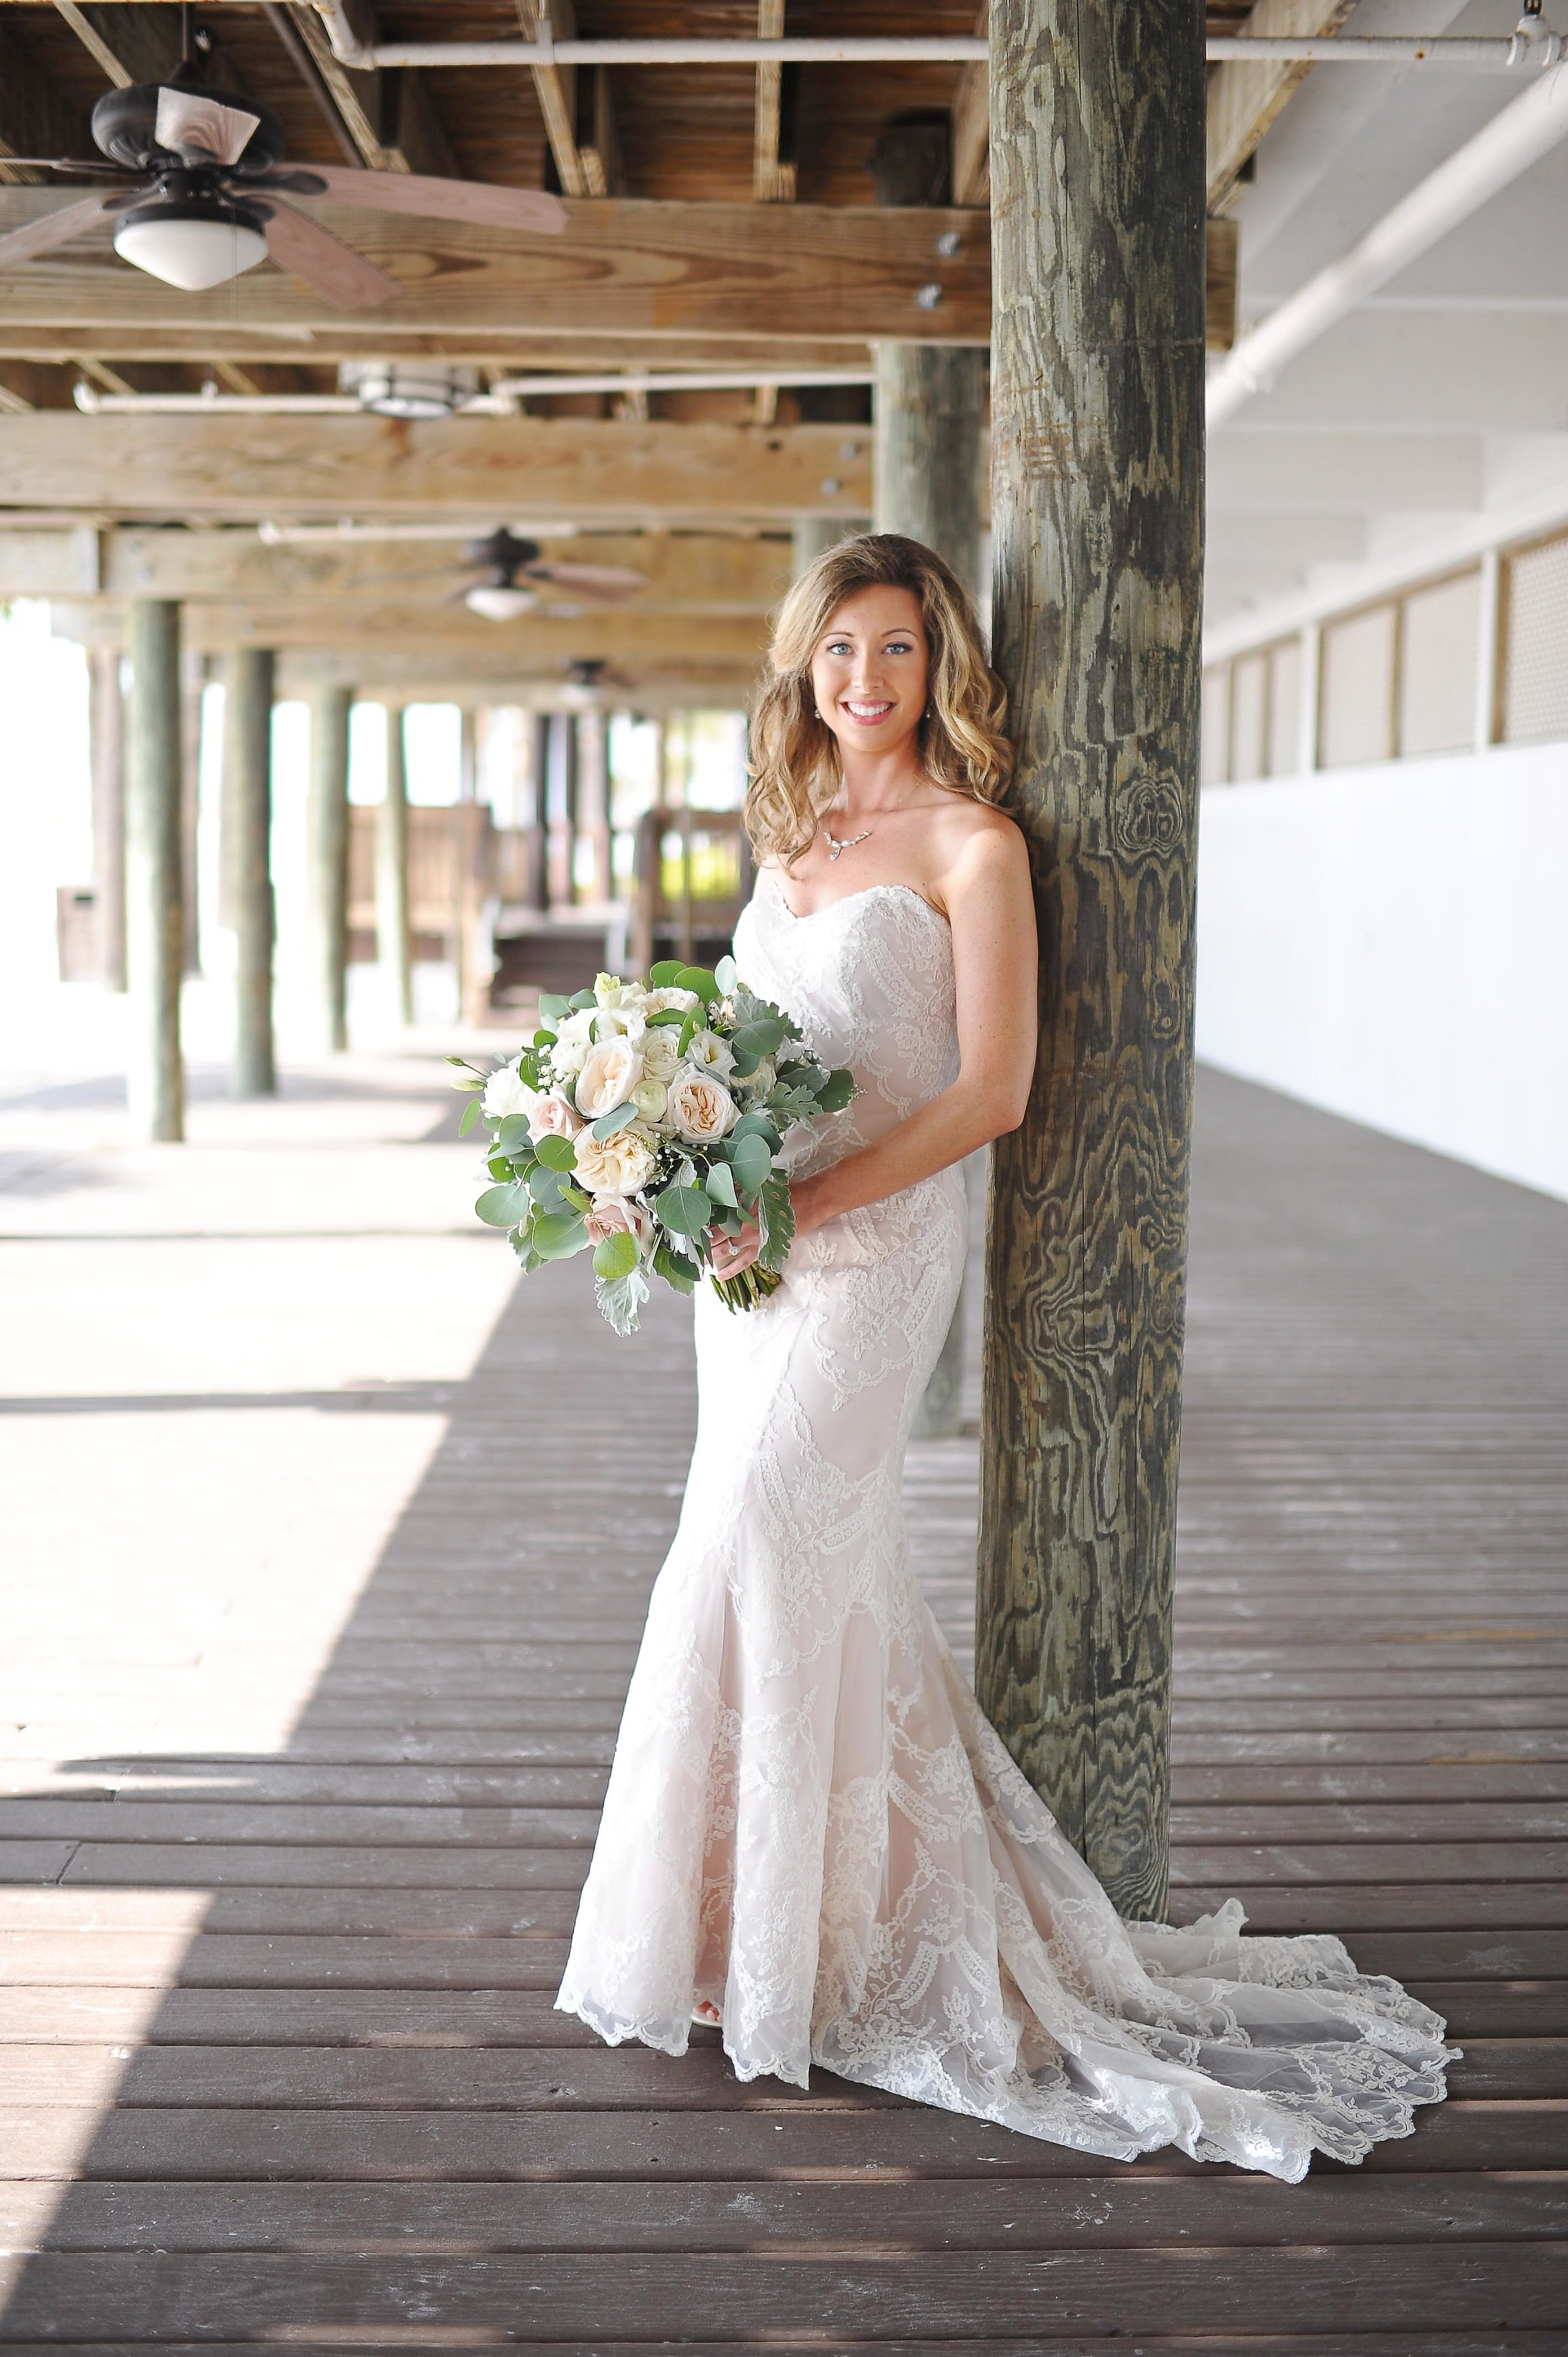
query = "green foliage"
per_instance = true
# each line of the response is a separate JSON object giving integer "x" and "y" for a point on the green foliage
{"x": 751, "y": 1162}
{"x": 616, "y": 1118}
{"x": 553, "y": 1007}
{"x": 726, "y": 974}
{"x": 544, "y": 1038}
{"x": 836, "y": 1091}
{"x": 499, "y": 1165}
{"x": 755, "y": 1124}
{"x": 668, "y": 1016}
{"x": 685, "y": 1209}
{"x": 775, "y": 1220}
{"x": 503, "y": 1207}
{"x": 621, "y": 1300}
{"x": 615, "y": 1256}
{"x": 719, "y": 1185}
{"x": 698, "y": 978}
{"x": 761, "y": 1036}
{"x": 581, "y": 998}
{"x": 691, "y": 1024}
{"x": 470, "y": 1116}
{"x": 556, "y": 1235}
{"x": 555, "y": 1153}
{"x": 792, "y": 1103}
{"x": 674, "y": 1268}
{"x": 661, "y": 975}
{"x": 512, "y": 1136}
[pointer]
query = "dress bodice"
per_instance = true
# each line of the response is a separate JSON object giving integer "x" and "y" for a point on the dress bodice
{"x": 870, "y": 981}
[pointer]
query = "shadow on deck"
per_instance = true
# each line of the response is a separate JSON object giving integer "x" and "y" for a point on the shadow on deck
{"x": 358, "y": 2122}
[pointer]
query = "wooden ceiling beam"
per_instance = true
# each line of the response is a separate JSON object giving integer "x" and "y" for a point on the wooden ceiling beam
{"x": 688, "y": 572}
{"x": 389, "y": 116}
{"x": 245, "y": 468}
{"x": 323, "y": 348}
{"x": 537, "y": 644}
{"x": 773, "y": 169}
{"x": 971, "y": 115}
{"x": 1244, "y": 99}
{"x": 375, "y": 673}
{"x": 621, "y": 267}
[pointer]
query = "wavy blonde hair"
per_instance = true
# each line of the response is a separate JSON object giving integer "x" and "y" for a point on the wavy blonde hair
{"x": 795, "y": 769}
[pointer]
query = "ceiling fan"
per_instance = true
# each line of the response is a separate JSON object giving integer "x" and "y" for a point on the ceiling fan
{"x": 208, "y": 200}
{"x": 507, "y": 565}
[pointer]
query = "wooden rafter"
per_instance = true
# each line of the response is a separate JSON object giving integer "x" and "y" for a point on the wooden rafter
{"x": 35, "y": 118}
{"x": 1244, "y": 99}
{"x": 972, "y": 129}
{"x": 389, "y": 116}
{"x": 537, "y": 639}
{"x": 773, "y": 173}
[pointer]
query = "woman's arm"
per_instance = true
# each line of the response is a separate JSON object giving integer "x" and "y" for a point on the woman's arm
{"x": 991, "y": 909}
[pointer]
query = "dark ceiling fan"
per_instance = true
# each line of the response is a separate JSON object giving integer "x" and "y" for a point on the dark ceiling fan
{"x": 507, "y": 565}
{"x": 208, "y": 200}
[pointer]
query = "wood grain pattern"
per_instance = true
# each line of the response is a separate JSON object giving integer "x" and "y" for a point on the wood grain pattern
{"x": 247, "y": 861}
{"x": 154, "y": 871}
{"x": 1097, "y": 381}
{"x": 328, "y": 857}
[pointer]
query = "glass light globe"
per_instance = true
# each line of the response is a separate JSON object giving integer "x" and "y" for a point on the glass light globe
{"x": 187, "y": 252}
{"x": 499, "y": 605}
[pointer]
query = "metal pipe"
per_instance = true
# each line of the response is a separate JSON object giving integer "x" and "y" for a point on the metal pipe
{"x": 1486, "y": 56}
{"x": 1524, "y": 130}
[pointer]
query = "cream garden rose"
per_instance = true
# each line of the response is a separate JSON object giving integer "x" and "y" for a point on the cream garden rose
{"x": 573, "y": 1042}
{"x": 650, "y": 1097}
{"x": 613, "y": 1166}
{"x": 661, "y": 1052}
{"x": 661, "y": 1002}
{"x": 701, "y": 1108}
{"x": 610, "y": 1072}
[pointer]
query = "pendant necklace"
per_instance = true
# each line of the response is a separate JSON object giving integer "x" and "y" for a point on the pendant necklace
{"x": 836, "y": 846}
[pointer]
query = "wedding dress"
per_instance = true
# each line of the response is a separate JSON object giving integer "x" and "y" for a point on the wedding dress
{"x": 810, "y": 1825}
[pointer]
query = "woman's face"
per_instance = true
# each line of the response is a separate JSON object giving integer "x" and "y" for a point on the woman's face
{"x": 870, "y": 670}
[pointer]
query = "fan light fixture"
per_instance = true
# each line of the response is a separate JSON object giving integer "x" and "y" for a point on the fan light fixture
{"x": 191, "y": 243}
{"x": 400, "y": 390}
{"x": 498, "y": 603}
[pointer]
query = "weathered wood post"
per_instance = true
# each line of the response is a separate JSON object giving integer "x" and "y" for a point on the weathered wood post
{"x": 929, "y": 414}
{"x": 537, "y": 874}
{"x": 394, "y": 938}
{"x": 155, "y": 892}
{"x": 107, "y": 738}
{"x": 192, "y": 699}
{"x": 561, "y": 809}
{"x": 329, "y": 859}
{"x": 594, "y": 795}
{"x": 247, "y": 860}
{"x": 1097, "y": 167}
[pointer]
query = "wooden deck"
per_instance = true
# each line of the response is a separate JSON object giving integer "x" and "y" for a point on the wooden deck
{"x": 320, "y": 1648}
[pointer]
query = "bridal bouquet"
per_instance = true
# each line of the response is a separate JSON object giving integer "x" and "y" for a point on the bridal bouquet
{"x": 639, "y": 1116}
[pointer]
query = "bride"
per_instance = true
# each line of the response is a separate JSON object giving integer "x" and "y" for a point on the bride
{"x": 812, "y": 1837}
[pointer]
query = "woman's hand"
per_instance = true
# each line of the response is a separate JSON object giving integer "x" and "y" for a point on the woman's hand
{"x": 733, "y": 1255}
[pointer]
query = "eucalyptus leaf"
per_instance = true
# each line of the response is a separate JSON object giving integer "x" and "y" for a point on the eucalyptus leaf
{"x": 684, "y": 1209}
{"x": 836, "y": 1092}
{"x": 513, "y": 1135}
{"x": 470, "y": 1115}
{"x": 719, "y": 1185}
{"x": 557, "y": 1153}
{"x": 698, "y": 978}
{"x": 726, "y": 974}
{"x": 677, "y": 1273}
{"x": 581, "y": 998}
{"x": 755, "y": 1124}
{"x": 556, "y": 1235}
{"x": 503, "y": 1207}
{"x": 499, "y": 1165}
{"x": 666, "y": 1017}
{"x": 615, "y": 1256}
{"x": 752, "y": 1162}
{"x": 616, "y": 1118}
{"x": 691, "y": 1023}
{"x": 761, "y": 1036}
{"x": 543, "y": 1038}
{"x": 553, "y": 1005}
{"x": 661, "y": 975}
{"x": 547, "y": 1186}
{"x": 575, "y": 1198}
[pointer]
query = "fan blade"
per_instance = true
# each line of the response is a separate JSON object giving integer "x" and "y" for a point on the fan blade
{"x": 460, "y": 200}
{"x": 324, "y": 261}
{"x": 590, "y": 580}
{"x": 52, "y": 229}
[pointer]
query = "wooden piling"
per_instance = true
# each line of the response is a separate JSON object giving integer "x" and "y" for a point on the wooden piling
{"x": 329, "y": 859}
{"x": 394, "y": 938}
{"x": 247, "y": 861}
{"x": 155, "y": 896}
{"x": 594, "y": 795}
{"x": 1097, "y": 160}
{"x": 107, "y": 735}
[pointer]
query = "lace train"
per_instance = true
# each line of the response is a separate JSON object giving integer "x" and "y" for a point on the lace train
{"x": 811, "y": 1825}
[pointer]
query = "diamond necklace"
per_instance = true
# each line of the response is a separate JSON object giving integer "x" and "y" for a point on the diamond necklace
{"x": 836, "y": 846}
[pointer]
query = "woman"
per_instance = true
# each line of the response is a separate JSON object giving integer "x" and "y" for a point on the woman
{"x": 811, "y": 1837}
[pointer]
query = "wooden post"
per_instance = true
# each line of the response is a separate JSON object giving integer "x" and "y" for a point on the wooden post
{"x": 537, "y": 892}
{"x": 1097, "y": 160}
{"x": 192, "y": 693}
{"x": 247, "y": 863}
{"x": 561, "y": 807}
{"x": 593, "y": 795}
{"x": 395, "y": 938}
{"x": 155, "y": 894}
{"x": 812, "y": 535}
{"x": 107, "y": 729}
{"x": 329, "y": 859}
{"x": 930, "y": 425}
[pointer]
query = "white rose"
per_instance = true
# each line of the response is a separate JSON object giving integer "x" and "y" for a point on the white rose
{"x": 613, "y": 1166}
{"x": 661, "y": 1052}
{"x": 661, "y": 1002}
{"x": 613, "y": 1215}
{"x": 610, "y": 1072}
{"x": 552, "y": 1118}
{"x": 650, "y": 1097}
{"x": 573, "y": 1042}
{"x": 701, "y": 1108}
{"x": 709, "y": 1053}
{"x": 507, "y": 1093}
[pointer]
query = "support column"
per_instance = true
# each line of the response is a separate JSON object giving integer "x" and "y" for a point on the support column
{"x": 812, "y": 535}
{"x": 929, "y": 426}
{"x": 329, "y": 859}
{"x": 537, "y": 892}
{"x": 1097, "y": 162}
{"x": 155, "y": 895}
{"x": 247, "y": 861}
{"x": 192, "y": 691}
{"x": 561, "y": 808}
{"x": 107, "y": 733}
{"x": 394, "y": 938}
{"x": 594, "y": 795}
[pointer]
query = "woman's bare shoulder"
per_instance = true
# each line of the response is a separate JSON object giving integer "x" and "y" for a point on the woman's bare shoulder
{"x": 974, "y": 837}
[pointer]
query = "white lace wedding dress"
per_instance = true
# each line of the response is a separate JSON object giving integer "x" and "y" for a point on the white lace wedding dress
{"x": 808, "y": 1824}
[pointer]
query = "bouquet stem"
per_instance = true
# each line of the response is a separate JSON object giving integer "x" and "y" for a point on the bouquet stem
{"x": 744, "y": 1291}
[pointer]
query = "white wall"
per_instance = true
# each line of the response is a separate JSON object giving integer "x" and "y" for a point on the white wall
{"x": 1391, "y": 943}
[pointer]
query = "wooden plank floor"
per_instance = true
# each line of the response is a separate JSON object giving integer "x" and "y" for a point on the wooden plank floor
{"x": 280, "y": 2064}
